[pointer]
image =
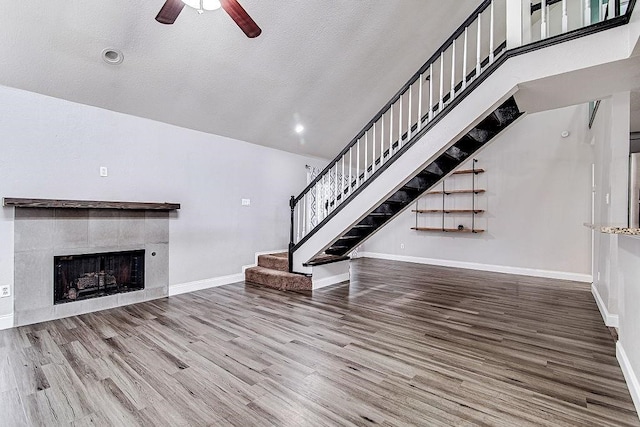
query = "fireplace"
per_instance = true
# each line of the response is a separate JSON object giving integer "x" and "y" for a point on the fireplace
{"x": 80, "y": 277}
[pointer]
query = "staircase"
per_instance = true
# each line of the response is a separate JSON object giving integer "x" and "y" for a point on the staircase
{"x": 454, "y": 105}
{"x": 427, "y": 178}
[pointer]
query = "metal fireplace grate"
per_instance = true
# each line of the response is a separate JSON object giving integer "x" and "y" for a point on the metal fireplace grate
{"x": 79, "y": 277}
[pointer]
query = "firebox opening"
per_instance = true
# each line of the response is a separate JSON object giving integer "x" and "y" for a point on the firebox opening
{"x": 79, "y": 277}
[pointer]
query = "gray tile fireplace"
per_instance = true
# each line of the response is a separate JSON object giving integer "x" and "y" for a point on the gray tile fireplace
{"x": 44, "y": 235}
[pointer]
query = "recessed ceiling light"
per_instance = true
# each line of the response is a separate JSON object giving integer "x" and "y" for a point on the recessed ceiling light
{"x": 299, "y": 128}
{"x": 112, "y": 56}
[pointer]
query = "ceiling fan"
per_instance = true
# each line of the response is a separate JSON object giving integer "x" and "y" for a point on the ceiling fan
{"x": 172, "y": 8}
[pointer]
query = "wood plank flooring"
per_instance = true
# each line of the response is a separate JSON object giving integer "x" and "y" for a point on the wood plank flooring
{"x": 402, "y": 345}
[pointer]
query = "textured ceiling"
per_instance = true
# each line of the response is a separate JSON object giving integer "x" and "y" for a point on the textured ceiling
{"x": 330, "y": 64}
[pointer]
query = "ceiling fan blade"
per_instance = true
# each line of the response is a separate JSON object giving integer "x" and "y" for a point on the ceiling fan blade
{"x": 241, "y": 17}
{"x": 170, "y": 11}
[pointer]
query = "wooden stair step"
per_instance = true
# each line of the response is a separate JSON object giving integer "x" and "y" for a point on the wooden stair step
{"x": 276, "y": 279}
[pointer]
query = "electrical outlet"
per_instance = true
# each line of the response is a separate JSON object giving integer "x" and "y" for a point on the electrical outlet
{"x": 401, "y": 245}
{"x": 246, "y": 202}
{"x": 104, "y": 171}
{"x": 5, "y": 291}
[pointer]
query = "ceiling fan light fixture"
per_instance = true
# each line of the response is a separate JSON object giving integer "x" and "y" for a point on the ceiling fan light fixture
{"x": 203, "y": 4}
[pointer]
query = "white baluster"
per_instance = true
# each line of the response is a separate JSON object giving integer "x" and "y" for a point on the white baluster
{"x": 430, "y": 91}
{"x": 441, "y": 81}
{"x": 304, "y": 215}
{"x": 587, "y": 13}
{"x": 342, "y": 195}
{"x": 318, "y": 202}
{"x": 358, "y": 164}
{"x": 543, "y": 20}
{"x": 565, "y": 17}
{"x": 366, "y": 156}
{"x": 298, "y": 208}
{"x": 491, "y": 30}
{"x": 391, "y": 131}
{"x": 382, "y": 140}
{"x": 373, "y": 149}
{"x": 479, "y": 47}
{"x": 420, "y": 105}
{"x": 464, "y": 58}
{"x": 322, "y": 197}
{"x": 335, "y": 188}
{"x": 409, "y": 113}
{"x": 400, "y": 122}
{"x": 453, "y": 71}
{"x": 350, "y": 169}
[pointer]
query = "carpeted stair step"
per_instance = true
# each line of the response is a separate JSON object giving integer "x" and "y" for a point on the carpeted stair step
{"x": 281, "y": 280}
{"x": 279, "y": 261}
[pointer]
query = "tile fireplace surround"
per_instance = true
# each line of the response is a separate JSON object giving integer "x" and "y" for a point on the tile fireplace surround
{"x": 42, "y": 233}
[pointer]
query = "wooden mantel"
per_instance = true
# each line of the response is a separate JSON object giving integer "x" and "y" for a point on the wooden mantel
{"x": 87, "y": 204}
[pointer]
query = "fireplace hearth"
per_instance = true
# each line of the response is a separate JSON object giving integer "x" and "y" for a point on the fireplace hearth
{"x": 84, "y": 276}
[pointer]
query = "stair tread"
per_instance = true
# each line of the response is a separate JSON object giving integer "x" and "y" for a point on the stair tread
{"x": 325, "y": 259}
{"x": 282, "y": 280}
{"x": 275, "y": 261}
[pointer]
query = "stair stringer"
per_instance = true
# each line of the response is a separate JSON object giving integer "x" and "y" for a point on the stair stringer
{"x": 528, "y": 73}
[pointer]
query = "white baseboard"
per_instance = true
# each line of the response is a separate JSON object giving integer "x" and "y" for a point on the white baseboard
{"x": 199, "y": 285}
{"x": 331, "y": 280}
{"x": 550, "y": 274}
{"x": 6, "y": 321}
{"x": 629, "y": 375}
{"x": 609, "y": 319}
{"x": 214, "y": 282}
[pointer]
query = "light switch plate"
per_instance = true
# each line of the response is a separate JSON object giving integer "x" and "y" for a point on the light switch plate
{"x": 246, "y": 202}
{"x": 104, "y": 171}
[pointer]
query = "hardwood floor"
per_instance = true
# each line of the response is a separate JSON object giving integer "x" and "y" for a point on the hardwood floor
{"x": 403, "y": 344}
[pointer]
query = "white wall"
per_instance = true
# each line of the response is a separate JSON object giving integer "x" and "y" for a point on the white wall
{"x": 629, "y": 343}
{"x": 610, "y": 138}
{"x": 538, "y": 197}
{"x": 52, "y": 148}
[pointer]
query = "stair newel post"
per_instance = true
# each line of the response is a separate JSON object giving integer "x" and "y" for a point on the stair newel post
{"x": 292, "y": 205}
